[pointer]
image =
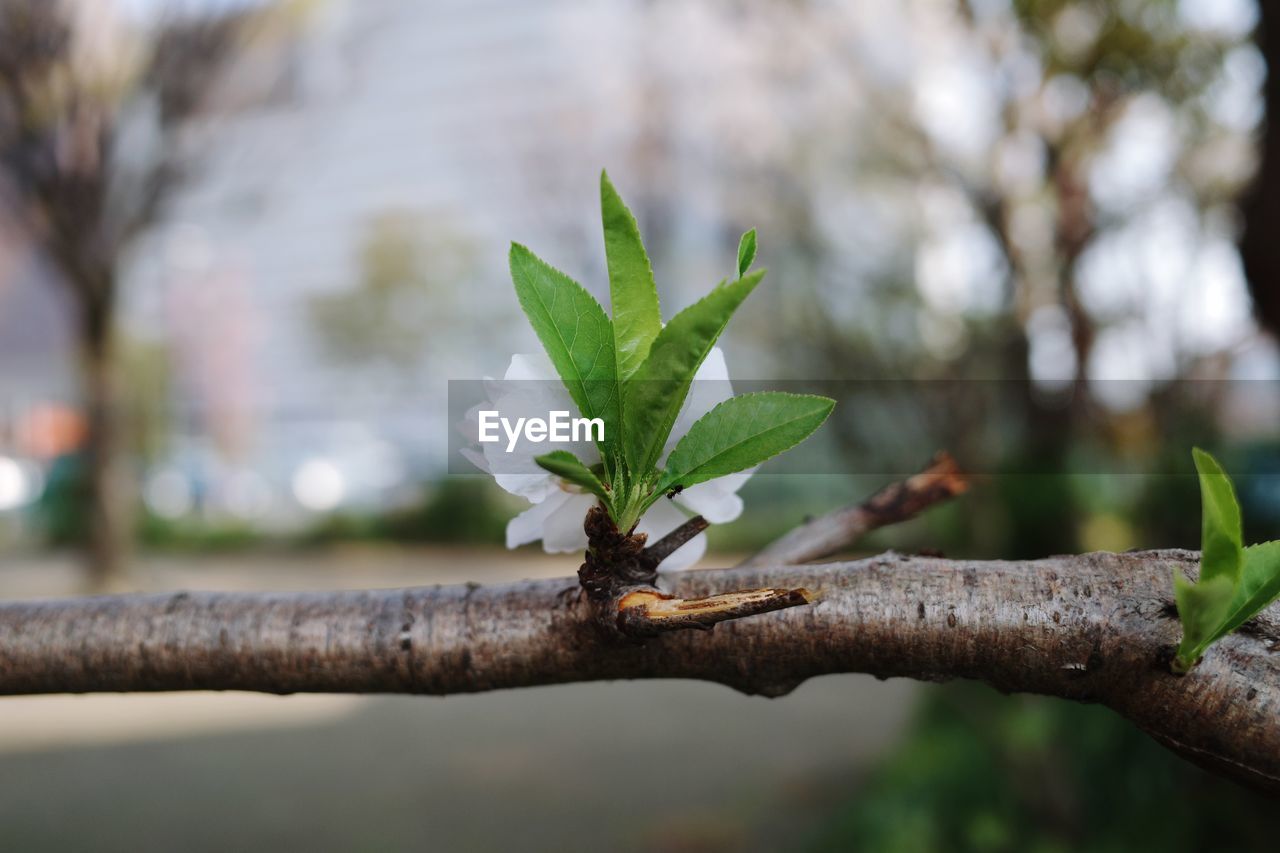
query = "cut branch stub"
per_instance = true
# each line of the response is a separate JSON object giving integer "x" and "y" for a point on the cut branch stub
{"x": 648, "y": 613}
{"x": 620, "y": 575}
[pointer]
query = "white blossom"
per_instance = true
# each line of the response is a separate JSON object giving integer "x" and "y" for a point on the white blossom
{"x": 531, "y": 388}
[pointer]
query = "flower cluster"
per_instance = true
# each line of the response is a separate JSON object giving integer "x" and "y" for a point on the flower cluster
{"x": 530, "y": 384}
{"x": 672, "y": 436}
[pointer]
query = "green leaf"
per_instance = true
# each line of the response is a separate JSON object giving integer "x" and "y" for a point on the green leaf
{"x": 741, "y": 432}
{"x": 1259, "y": 585}
{"x": 1235, "y": 582}
{"x": 566, "y": 466}
{"x": 746, "y": 252}
{"x": 636, "y": 317}
{"x": 653, "y": 396}
{"x": 1202, "y": 608}
{"x": 1221, "y": 536}
{"x": 576, "y": 334}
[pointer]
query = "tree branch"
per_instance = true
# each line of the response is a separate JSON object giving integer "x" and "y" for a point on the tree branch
{"x": 620, "y": 576}
{"x": 895, "y": 503}
{"x": 1092, "y": 628}
{"x": 647, "y": 613}
{"x": 669, "y": 544}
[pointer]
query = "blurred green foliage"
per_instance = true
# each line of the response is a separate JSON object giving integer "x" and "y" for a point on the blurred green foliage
{"x": 407, "y": 275}
{"x": 194, "y": 536}
{"x": 983, "y": 772}
{"x": 62, "y": 508}
{"x": 1138, "y": 45}
{"x": 468, "y": 509}
{"x": 455, "y": 510}
{"x": 979, "y": 771}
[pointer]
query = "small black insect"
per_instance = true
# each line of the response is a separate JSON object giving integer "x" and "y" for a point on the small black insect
{"x": 677, "y": 490}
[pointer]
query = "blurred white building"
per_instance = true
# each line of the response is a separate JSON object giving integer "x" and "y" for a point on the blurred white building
{"x": 490, "y": 120}
{"x": 484, "y": 119}
{"x": 849, "y": 131}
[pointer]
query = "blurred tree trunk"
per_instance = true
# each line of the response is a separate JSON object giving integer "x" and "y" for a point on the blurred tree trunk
{"x": 1259, "y": 248}
{"x": 108, "y": 484}
{"x": 83, "y": 193}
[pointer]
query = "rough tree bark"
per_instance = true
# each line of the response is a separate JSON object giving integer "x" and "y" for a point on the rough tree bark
{"x": 1091, "y": 628}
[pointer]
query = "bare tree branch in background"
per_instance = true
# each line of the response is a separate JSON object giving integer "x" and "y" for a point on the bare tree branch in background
{"x": 89, "y": 155}
{"x": 895, "y": 503}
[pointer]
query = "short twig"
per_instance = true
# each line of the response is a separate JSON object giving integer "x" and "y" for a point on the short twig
{"x": 669, "y": 544}
{"x": 896, "y": 502}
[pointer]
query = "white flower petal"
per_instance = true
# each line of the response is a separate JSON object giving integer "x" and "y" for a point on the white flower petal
{"x": 534, "y": 488}
{"x": 715, "y": 504}
{"x": 686, "y": 556}
{"x": 562, "y": 532}
{"x": 517, "y": 475}
{"x": 661, "y": 519}
{"x": 714, "y": 369}
{"x": 530, "y": 389}
{"x": 526, "y": 366}
{"x": 733, "y": 482}
{"x": 470, "y": 426}
{"x": 476, "y": 458}
{"x": 527, "y": 526}
{"x": 710, "y": 388}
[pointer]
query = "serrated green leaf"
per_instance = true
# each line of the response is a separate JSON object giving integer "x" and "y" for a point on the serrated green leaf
{"x": 1202, "y": 609}
{"x": 746, "y": 252}
{"x": 1259, "y": 585}
{"x": 1235, "y": 582}
{"x": 741, "y": 432}
{"x": 653, "y": 396}
{"x": 1221, "y": 536}
{"x": 636, "y": 316}
{"x": 576, "y": 334}
{"x": 566, "y": 466}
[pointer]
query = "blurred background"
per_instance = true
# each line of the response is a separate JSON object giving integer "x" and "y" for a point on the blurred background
{"x": 244, "y": 247}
